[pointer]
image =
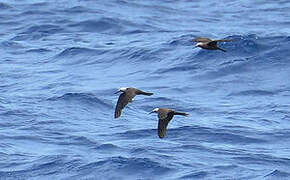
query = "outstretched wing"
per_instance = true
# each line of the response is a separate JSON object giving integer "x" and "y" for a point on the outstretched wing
{"x": 223, "y": 40}
{"x": 138, "y": 91}
{"x": 204, "y": 40}
{"x": 164, "y": 119}
{"x": 122, "y": 102}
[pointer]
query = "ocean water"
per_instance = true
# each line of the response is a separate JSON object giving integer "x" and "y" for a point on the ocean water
{"x": 62, "y": 61}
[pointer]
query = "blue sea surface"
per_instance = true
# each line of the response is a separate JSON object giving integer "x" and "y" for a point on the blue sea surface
{"x": 61, "y": 62}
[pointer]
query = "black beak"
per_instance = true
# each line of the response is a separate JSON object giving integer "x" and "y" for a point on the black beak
{"x": 151, "y": 112}
{"x": 117, "y": 92}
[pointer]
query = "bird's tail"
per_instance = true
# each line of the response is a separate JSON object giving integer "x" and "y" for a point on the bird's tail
{"x": 181, "y": 113}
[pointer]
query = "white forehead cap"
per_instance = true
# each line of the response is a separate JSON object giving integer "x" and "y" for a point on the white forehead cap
{"x": 156, "y": 110}
{"x": 199, "y": 43}
{"x": 123, "y": 89}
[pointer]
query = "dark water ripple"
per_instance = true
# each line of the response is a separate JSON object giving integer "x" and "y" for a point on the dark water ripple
{"x": 63, "y": 61}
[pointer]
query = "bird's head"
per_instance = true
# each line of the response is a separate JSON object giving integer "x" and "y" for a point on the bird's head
{"x": 122, "y": 89}
{"x": 155, "y": 110}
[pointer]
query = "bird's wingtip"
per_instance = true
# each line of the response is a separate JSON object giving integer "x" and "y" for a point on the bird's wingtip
{"x": 117, "y": 114}
{"x": 160, "y": 136}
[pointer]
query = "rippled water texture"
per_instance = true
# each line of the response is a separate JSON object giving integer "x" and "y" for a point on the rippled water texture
{"x": 62, "y": 61}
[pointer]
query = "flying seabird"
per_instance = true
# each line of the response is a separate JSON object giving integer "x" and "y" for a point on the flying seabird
{"x": 207, "y": 43}
{"x": 126, "y": 97}
{"x": 165, "y": 115}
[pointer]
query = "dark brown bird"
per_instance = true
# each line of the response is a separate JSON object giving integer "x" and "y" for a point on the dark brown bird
{"x": 207, "y": 43}
{"x": 126, "y": 97}
{"x": 165, "y": 115}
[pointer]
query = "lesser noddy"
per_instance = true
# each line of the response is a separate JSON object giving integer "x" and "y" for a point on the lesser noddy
{"x": 165, "y": 115}
{"x": 126, "y": 97}
{"x": 207, "y": 43}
